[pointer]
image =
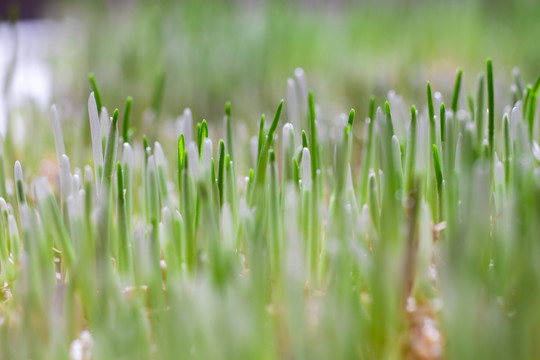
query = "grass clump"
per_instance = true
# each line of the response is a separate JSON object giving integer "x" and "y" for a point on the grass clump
{"x": 419, "y": 241}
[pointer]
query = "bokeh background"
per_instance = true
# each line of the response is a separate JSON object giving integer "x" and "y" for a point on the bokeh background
{"x": 204, "y": 53}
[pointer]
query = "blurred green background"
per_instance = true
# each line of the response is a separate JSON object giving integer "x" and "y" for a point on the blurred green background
{"x": 243, "y": 51}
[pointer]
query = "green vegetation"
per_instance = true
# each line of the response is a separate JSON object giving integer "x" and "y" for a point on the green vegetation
{"x": 345, "y": 223}
{"x": 415, "y": 240}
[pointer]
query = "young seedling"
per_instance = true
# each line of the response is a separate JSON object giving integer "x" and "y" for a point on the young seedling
{"x": 95, "y": 90}
{"x": 457, "y": 88}
{"x": 126, "y": 129}
{"x": 119, "y": 261}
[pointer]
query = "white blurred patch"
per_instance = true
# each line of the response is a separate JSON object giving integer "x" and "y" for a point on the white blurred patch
{"x": 536, "y": 150}
{"x": 81, "y": 348}
{"x": 25, "y": 75}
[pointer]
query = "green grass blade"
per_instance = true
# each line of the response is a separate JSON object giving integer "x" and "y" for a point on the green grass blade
{"x": 457, "y": 88}
{"x": 431, "y": 114}
{"x": 126, "y": 124}
{"x": 260, "y": 173}
{"x": 491, "y": 108}
{"x": 221, "y": 171}
{"x": 229, "y": 131}
{"x": 97, "y": 94}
